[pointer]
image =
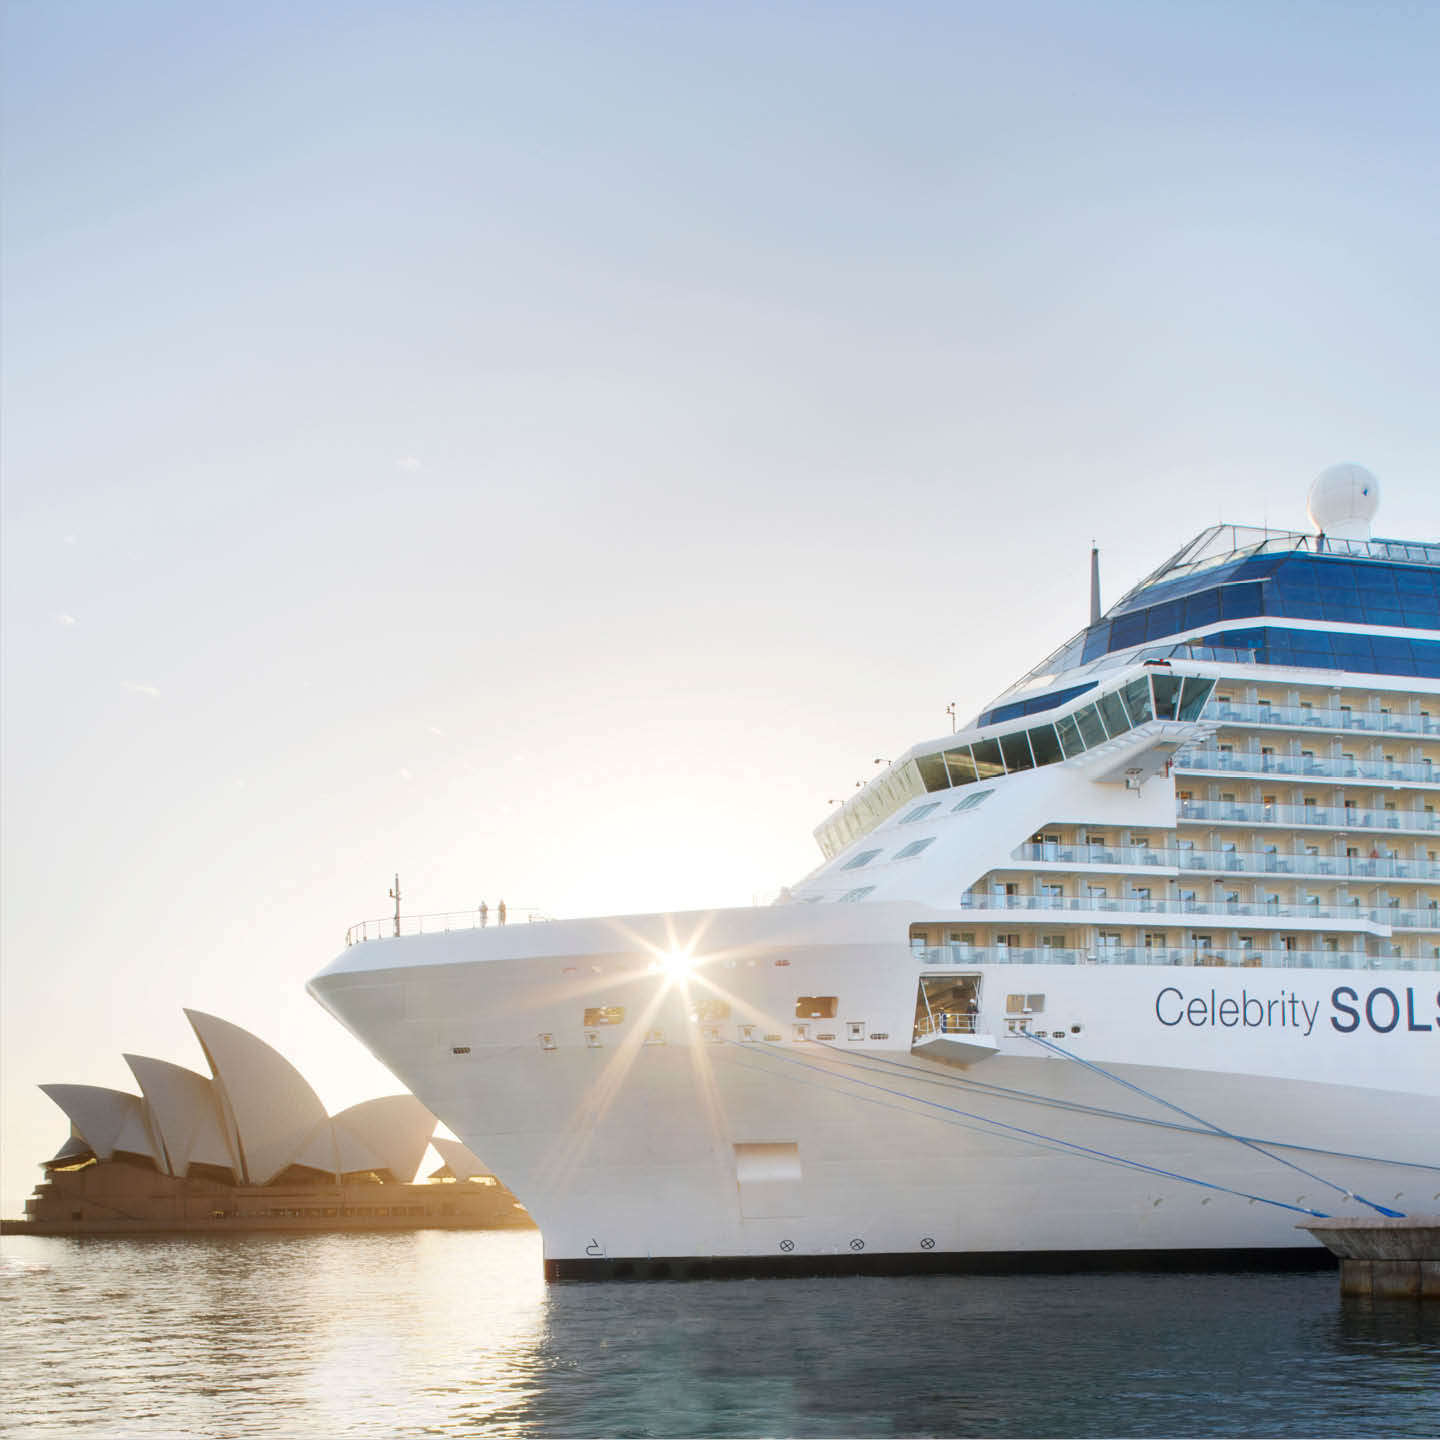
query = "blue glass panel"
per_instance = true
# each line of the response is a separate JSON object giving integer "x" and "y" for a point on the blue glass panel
{"x": 1238, "y": 601}
{"x": 1202, "y": 609}
{"x": 1097, "y": 642}
{"x": 1032, "y": 706}
{"x": 1163, "y": 620}
{"x": 1127, "y": 630}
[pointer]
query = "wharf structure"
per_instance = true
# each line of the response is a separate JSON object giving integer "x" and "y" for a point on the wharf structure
{"x": 250, "y": 1147}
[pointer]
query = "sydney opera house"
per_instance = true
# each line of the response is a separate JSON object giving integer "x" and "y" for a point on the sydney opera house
{"x": 250, "y": 1147}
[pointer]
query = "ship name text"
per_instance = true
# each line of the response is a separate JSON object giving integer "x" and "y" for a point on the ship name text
{"x": 1381, "y": 1010}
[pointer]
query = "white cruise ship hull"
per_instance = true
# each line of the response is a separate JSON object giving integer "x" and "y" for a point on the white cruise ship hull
{"x": 666, "y": 1143}
{"x": 1144, "y": 963}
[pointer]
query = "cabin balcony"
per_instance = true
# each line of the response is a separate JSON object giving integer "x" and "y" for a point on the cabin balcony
{"x": 1319, "y": 817}
{"x": 1422, "y": 774}
{"x": 1342, "y": 721}
{"x": 1269, "y": 958}
{"x": 1124, "y": 858}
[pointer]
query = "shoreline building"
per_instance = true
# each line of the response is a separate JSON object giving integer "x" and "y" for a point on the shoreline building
{"x": 250, "y": 1147}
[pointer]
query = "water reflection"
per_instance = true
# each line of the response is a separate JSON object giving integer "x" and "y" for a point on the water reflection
{"x": 455, "y": 1334}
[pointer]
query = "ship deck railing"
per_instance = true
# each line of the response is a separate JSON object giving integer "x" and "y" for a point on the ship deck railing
{"x": 1383, "y": 915}
{"x": 1229, "y": 957}
{"x": 1370, "y": 722}
{"x": 1302, "y": 767}
{"x": 1267, "y": 862}
{"x": 947, "y": 1022}
{"x": 390, "y": 927}
{"x": 1328, "y": 817}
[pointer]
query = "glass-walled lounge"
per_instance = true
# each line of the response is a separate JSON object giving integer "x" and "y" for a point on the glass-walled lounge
{"x": 1156, "y": 696}
{"x": 1148, "y": 697}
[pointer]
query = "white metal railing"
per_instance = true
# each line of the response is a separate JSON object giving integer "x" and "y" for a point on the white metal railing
{"x": 1370, "y": 722}
{"x": 1426, "y": 917}
{"x": 1304, "y": 766}
{"x": 972, "y": 900}
{"x": 388, "y": 927}
{"x": 947, "y": 1022}
{"x": 1380, "y": 867}
{"x": 1229, "y": 956}
{"x": 1331, "y": 817}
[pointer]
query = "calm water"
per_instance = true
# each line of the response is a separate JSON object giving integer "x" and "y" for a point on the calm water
{"x": 440, "y": 1334}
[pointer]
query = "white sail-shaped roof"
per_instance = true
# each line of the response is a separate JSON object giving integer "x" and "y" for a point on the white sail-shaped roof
{"x": 186, "y": 1114}
{"x": 75, "y": 1148}
{"x": 275, "y": 1112}
{"x": 319, "y": 1151}
{"x": 395, "y": 1129}
{"x": 460, "y": 1160}
{"x": 110, "y": 1120}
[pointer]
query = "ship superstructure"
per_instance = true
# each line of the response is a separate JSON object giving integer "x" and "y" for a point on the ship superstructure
{"x": 1145, "y": 961}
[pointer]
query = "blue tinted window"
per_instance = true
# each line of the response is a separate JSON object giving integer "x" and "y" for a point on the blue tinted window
{"x": 1202, "y": 609}
{"x": 1238, "y": 601}
{"x": 1163, "y": 620}
{"x": 1097, "y": 642}
{"x": 1127, "y": 630}
{"x": 1033, "y": 705}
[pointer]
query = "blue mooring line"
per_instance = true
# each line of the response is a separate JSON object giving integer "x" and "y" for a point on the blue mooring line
{"x": 1211, "y": 1126}
{"x": 1048, "y": 1139}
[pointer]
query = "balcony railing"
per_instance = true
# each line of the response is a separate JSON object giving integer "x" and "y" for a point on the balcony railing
{"x": 974, "y": 900}
{"x": 1171, "y": 955}
{"x": 1252, "y": 762}
{"x": 1370, "y": 722}
{"x": 1329, "y": 817}
{"x": 1383, "y": 867}
{"x": 388, "y": 927}
{"x": 1426, "y": 917}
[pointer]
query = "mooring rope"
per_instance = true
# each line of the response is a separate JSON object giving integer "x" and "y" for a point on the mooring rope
{"x": 1053, "y": 1141}
{"x": 1210, "y": 1125}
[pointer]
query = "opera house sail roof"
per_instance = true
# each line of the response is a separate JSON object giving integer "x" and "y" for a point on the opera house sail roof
{"x": 253, "y": 1120}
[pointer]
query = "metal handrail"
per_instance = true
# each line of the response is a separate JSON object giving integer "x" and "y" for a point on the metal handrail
{"x": 1331, "y": 817}
{"x": 1304, "y": 766}
{"x": 1369, "y": 722}
{"x": 972, "y": 900}
{"x": 1229, "y": 956}
{"x": 947, "y": 1022}
{"x": 1377, "y": 867}
{"x": 388, "y": 927}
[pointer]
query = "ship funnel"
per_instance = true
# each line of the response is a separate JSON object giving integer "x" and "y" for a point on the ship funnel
{"x": 1343, "y": 501}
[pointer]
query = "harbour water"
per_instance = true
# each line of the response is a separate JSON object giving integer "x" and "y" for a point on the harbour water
{"x": 455, "y": 1334}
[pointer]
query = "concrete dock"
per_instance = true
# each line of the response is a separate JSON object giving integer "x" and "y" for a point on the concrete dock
{"x": 1384, "y": 1259}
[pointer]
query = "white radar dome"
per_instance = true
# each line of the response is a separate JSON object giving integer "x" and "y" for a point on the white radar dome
{"x": 1343, "y": 501}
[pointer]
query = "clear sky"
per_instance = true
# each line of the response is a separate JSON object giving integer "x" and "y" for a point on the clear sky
{"x": 551, "y": 450}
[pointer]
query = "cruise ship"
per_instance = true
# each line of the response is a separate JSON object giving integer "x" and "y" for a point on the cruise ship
{"x": 1140, "y": 968}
